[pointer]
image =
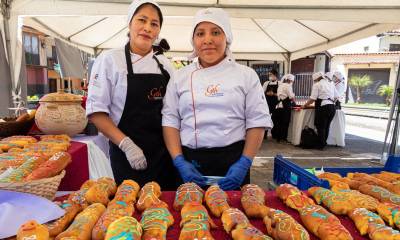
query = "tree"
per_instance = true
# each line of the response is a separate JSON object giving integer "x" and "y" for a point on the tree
{"x": 360, "y": 82}
{"x": 386, "y": 90}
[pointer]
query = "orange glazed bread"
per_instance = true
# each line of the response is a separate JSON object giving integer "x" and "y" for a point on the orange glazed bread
{"x": 216, "y": 200}
{"x": 51, "y": 167}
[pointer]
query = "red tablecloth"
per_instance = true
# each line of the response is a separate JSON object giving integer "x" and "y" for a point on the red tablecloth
{"x": 77, "y": 172}
{"x": 234, "y": 201}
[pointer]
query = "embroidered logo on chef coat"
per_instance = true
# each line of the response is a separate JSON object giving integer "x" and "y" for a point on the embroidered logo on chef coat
{"x": 213, "y": 91}
{"x": 155, "y": 94}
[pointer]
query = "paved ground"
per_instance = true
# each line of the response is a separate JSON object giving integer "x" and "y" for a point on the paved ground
{"x": 359, "y": 151}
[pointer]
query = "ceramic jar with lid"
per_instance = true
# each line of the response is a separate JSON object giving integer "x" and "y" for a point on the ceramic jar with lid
{"x": 61, "y": 113}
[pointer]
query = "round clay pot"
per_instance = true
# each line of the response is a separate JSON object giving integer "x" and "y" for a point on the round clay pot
{"x": 61, "y": 113}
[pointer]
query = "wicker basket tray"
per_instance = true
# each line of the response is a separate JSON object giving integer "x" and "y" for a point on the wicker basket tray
{"x": 12, "y": 127}
{"x": 46, "y": 187}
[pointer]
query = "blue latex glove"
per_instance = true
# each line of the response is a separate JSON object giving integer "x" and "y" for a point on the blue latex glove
{"x": 188, "y": 172}
{"x": 236, "y": 174}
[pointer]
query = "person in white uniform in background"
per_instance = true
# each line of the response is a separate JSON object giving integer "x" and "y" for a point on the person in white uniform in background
{"x": 125, "y": 101}
{"x": 338, "y": 80}
{"x": 282, "y": 113}
{"x": 324, "y": 94}
{"x": 215, "y": 112}
{"x": 270, "y": 89}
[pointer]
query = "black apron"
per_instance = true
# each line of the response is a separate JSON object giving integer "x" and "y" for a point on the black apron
{"x": 141, "y": 121}
{"x": 271, "y": 100}
{"x": 215, "y": 161}
{"x": 281, "y": 119}
{"x": 318, "y": 111}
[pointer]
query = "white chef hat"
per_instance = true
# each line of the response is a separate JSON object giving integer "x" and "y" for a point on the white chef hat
{"x": 338, "y": 75}
{"x": 289, "y": 77}
{"x": 137, "y": 3}
{"x": 328, "y": 76}
{"x": 317, "y": 75}
{"x": 219, "y": 17}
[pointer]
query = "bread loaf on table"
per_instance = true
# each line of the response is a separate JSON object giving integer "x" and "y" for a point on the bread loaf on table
{"x": 148, "y": 195}
{"x": 155, "y": 222}
{"x": 124, "y": 228}
{"x": 253, "y": 201}
{"x": 363, "y": 217}
{"x": 59, "y": 225}
{"x": 382, "y": 232}
{"x": 32, "y": 230}
{"x": 380, "y": 193}
{"x": 336, "y": 202}
{"x": 24, "y": 170}
{"x": 248, "y": 233}
{"x": 216, "y": 200}
{"x": 390, "y": 213}
{"x": 120, "y": 206}
{"x": 188, "y": 192}
{"x": 281, "y": 226}
{"x": 83, "y": 224}
{"x": 101, "y": 191}
{"x": 323, "y": 224}
{"x": 51, "y": 167}
{"x": 195, "y": 222}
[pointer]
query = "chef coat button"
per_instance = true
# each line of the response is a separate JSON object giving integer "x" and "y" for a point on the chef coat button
{"x": 226, "y": 132}
{"x": 197, "y": 131}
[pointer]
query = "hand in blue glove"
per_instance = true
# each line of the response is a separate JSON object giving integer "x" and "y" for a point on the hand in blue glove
{"x": 188, "y": 172}
{"x": 236, "y": 174}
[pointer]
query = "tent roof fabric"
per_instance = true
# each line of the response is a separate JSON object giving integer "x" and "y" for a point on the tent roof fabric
{"x": 262, "y": 29}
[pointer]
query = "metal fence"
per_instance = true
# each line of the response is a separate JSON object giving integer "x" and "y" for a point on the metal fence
{"x": 302, "y": 87}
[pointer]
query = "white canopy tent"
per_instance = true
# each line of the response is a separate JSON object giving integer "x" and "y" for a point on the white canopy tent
{"x": 263, "y": 29}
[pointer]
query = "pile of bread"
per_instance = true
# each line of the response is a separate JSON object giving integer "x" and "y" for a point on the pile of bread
{"x": 370, "y": 200}
{"x": 25, "y": 158}
{"x": 100, "y": 210}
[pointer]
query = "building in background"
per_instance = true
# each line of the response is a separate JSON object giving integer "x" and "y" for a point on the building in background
{"x": 377, "y": 57}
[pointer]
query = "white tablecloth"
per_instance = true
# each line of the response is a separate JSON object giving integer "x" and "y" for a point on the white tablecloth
{"x": 98, "y": 157}
{"x": 305, "y": 117}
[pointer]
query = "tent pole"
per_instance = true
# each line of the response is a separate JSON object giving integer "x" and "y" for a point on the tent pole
{"x": 5, "y": 8}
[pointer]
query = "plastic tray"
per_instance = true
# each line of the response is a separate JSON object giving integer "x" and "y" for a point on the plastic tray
{"x": 288, "y": 172}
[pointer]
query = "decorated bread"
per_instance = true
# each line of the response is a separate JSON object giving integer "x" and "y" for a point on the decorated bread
{"x": 195, "y": 222}
{"x": 281, "y": 226}
{"x": 124, "y": 228}
{"x": 57, "y": 226}
{"x": 253, "y": 201}
{"x": 390, "y": 213}
{"x": 51, "y": 167}
{"x": 101, "y": 192}
{"x": 232, "y": 217}
{"x": 336, "y": 202}
{"x": 187, "y": 192}
{"x": 32, "y": 230}
{"x": 323, "y": 224}
{"x": 242, "y": 232}
{"x": 382, "y": 232}
{"x": 148, "y": 195}
{"x": 216, "y": 200}
{"x": 83, "y": 224}
{"x": 155, "y": 222}
{"x": 382, "y": 194}
{"x": 363, "y": 217}
{"x": 24, "y": 170}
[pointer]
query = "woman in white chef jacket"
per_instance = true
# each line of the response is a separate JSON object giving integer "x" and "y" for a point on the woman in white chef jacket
{"x": 283, "y": 109}
{"x": 324, "y": 94}
{"x": 215, "y": 112}
{"x": 125, "y": 101}
{"x": 338, "y": 80}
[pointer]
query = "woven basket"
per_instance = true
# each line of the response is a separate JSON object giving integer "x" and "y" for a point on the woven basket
{"x": 12, "y": 127}
{"x": 46, "y": 187}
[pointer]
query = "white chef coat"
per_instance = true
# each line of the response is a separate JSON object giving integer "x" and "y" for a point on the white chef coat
{"x": 271, "y": 83}
{"x": 284, "y": 90}
{"x": 108, "y": 82}
{"x": 213, "y": 107}
{"x": 324, "y": 90}
{"x": 340, "y": 89}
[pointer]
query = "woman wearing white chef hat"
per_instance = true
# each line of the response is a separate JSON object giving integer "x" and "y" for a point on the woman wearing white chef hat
{"x": 282, "y": 113}
{"x": 215, "y": 112}
{"x": 324, "y": 94}
{"x": 338, "y": 80}
{"x": 125, "y": 100}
